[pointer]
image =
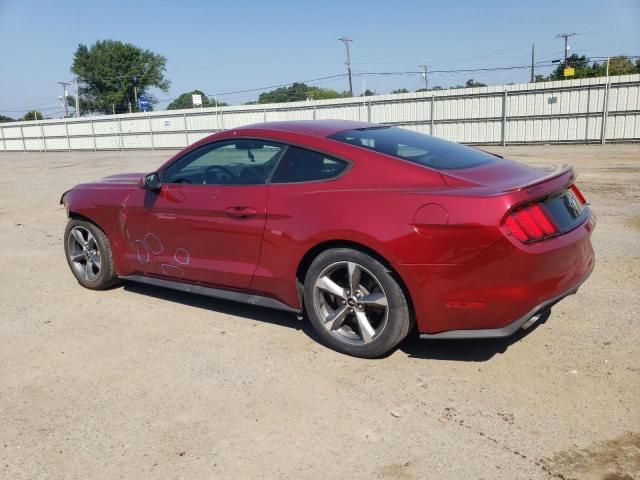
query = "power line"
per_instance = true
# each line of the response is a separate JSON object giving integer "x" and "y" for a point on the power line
{"x": 459, "y": 70}
{"x": 341, "y": 75}
{"x": 34, "y": 107}
{"x": 330, "y": 78}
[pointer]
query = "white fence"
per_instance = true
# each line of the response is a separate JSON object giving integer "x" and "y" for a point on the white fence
{"x": 595, "y": 110}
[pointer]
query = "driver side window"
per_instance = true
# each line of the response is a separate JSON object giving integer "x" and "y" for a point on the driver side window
{"x": 233, "y": 162}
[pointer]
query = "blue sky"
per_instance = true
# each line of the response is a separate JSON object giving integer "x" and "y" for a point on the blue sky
{"x": 228, "y": 46}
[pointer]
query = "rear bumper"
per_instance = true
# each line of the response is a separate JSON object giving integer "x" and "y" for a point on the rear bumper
{"x": 501, "y": 289}
{"x": 524, "y": 322}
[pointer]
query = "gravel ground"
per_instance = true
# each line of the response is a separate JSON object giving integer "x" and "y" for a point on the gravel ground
{"x": 141, "y": 382}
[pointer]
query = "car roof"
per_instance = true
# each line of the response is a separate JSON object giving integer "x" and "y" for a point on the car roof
{"x": 315, "y": 128}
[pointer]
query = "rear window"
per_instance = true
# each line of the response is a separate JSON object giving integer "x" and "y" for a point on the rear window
{"x": 418, "y": 148}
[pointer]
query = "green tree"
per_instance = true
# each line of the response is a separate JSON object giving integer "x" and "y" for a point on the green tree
{"x": 186, "y": 101}
{"x": 33, "y": 115}
{"x": 581, "y": 67}
{"x": 437, "y": 87}
{"x": 400, "y": 90}
{"x": 472, "y": 83}
{"x": 297, "y": 92}
{"x": 368, "y": 93}
{"x": 4, "y": 118}
{"x": 618, "y": 65}
{"x": 110, "y": 70}
{"x": 317, "y": 93}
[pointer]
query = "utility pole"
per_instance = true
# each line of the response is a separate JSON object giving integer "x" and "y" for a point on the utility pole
{"x": 566, "y": 45}
{"x": 77, "y": 99}
{"x": 135, "y": 92}
{"x": 533, "y": 63}
{"x": 64, "y": 98}
{"x": 424, "y": 75}
{"x": 346, "y": 40}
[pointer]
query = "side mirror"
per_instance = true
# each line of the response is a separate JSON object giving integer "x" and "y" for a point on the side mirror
{"x": 152, "y": 181}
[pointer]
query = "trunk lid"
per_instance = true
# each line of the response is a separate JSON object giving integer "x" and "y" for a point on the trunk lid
{"x": 541, "y": 202}
{"x": 502, "y": 175}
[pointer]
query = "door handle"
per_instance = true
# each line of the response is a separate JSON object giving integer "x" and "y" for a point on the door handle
{"x": 241, "y": 212}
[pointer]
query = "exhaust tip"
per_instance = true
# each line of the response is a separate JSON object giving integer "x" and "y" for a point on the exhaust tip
{"x": 531, "y": 321}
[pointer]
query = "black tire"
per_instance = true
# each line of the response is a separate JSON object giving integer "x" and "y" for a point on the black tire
{"x": 105, "y": 277}
{"x": 392, "y": 328}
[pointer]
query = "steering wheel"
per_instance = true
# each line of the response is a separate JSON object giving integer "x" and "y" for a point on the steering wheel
{"x": 225, "y": 173}
{"x": 181, "y": 180}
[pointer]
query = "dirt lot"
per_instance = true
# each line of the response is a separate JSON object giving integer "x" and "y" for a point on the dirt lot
{"x": 140, "y": 382}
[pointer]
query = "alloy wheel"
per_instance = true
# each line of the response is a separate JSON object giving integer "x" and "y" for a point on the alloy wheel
{"x": 351, "y": 303}
{"x": 84, "y": 254}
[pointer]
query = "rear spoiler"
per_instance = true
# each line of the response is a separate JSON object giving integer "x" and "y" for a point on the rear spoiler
{"x": 557, "y": 172}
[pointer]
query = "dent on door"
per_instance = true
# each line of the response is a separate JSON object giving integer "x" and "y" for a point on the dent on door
{"x": 149, "y": 249}
{"x": 207, "y": 234}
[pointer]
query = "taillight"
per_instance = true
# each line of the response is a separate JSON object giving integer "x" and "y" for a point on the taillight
{"x": 530, "y": 223}
{"x": 576, "y": 191}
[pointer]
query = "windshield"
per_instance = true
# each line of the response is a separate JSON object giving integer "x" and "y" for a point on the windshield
{"x": 418, "y": 148}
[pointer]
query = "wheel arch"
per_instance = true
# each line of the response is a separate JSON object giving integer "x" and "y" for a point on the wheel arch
{"x": 78, "y": 216}
{"x": 313, "y": 252}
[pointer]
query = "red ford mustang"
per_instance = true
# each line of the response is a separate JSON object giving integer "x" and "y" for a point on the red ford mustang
{"x": 368, "y": 229}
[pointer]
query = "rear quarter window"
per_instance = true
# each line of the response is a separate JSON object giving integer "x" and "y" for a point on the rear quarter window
{"x": 415, "y": 147}
{"x": 301, "y": 165}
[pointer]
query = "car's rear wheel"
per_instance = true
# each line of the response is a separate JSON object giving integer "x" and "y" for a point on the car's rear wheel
{"x": 355, "y": 304}
{"x": 89, "y": 255}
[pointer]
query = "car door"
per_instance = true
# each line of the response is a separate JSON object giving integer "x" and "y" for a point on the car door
{"x": 205, "y": 223}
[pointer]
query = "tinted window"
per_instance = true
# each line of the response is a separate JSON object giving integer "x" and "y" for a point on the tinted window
{"x": 236, "y": 162}
{"x": 300, "y": 165}
{"x": 429, "y": 151}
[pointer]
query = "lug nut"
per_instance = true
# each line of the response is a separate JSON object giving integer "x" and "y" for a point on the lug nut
{"x": 360, "y": 306}
{"x": 358, "y": 294}
{"x": 344, "y": 302}
{"x": 347, "y": 292}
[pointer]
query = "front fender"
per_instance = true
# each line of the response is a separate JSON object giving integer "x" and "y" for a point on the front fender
{"x": 101, "y": 207}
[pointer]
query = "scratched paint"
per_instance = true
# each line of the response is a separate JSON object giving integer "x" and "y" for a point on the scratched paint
{"x": 143, "y": 251}
{"x": 171, "y": 270}
{"x": 182, "y": 256}
{"x": 151, "y": 246}
{"x": 153, "y": 242}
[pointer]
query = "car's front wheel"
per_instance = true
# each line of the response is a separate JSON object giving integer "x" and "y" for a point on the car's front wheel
{"x": 89, "y": 255}
{"x": 355, "y": 304}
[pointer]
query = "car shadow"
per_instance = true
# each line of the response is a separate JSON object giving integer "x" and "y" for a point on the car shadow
{"x": 479, "y": 350}
{"x": 251, "y": 312}
{"x": 472, "y": 350}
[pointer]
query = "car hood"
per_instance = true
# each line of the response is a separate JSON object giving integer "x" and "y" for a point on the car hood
{"x": 126, "y": 178}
